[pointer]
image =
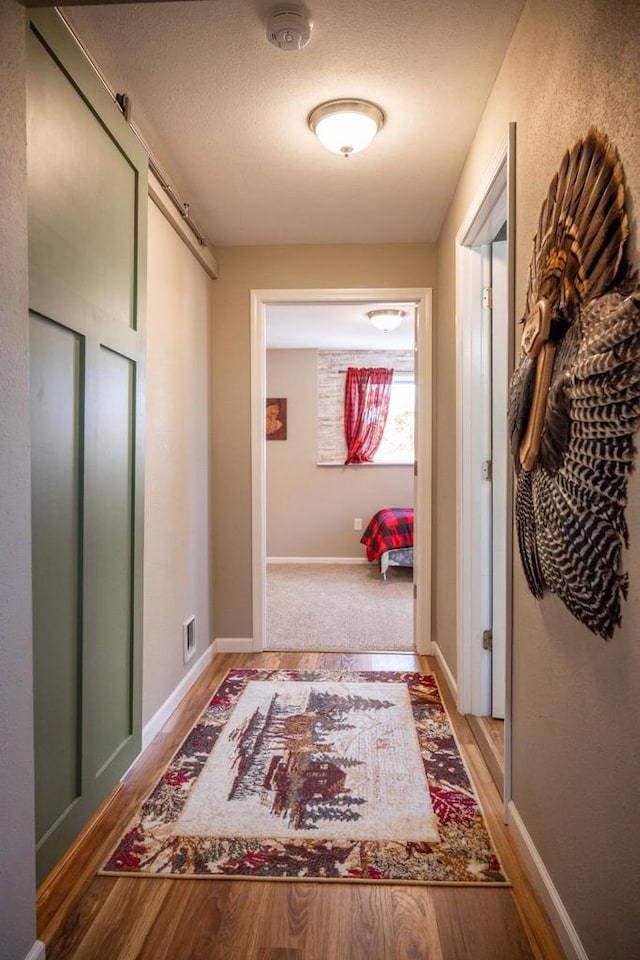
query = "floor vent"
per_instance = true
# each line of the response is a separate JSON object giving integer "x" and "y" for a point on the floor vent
{"x": 188, "y": 638}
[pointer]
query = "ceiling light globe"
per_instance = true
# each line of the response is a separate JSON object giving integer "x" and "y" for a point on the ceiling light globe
{"x": 346, "y": 133}
{"x": 386, "y": 320}
{"x": 346, "y": 126}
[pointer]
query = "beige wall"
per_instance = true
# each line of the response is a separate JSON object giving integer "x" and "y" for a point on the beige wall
{"x": 177, "y": 535}
{"x": 576, "y": 699}
{"x": 17, "y": 854}
{"x": 242, "y": 269}
{"x": 311, "y": 509}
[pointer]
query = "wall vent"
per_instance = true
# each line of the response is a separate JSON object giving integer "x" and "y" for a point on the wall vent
{"x": 188, "y": 638}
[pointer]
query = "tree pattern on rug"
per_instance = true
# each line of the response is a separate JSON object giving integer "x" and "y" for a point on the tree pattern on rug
{"x": 464, "y": 853}
{"x": 277, "y": 757}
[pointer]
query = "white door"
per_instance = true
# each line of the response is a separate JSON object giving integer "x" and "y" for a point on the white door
{"x": 491, "y": 478}
{"x": 499, "y": 470}
{"x": 484, "y": 507}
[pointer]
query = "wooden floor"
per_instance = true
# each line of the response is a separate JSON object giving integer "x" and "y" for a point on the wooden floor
{"x": 86, "y": 917}
{"x": 489, "y": 734}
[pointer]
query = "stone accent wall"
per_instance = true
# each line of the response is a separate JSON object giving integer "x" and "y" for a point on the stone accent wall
{"x": 332, "y": 372}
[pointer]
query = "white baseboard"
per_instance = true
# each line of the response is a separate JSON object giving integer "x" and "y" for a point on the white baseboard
{"x": 428, "y": 651}
{"x": 544, "y": 885}
{"x": 160, "y": 717}
{"x": 317, "y": 560}
{"x": 444, "y": 666}
{"x": 37, "y": 951}
{"x": 233, "y": 645}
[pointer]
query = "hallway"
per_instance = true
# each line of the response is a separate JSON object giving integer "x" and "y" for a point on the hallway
{"x": 85, "y": 917}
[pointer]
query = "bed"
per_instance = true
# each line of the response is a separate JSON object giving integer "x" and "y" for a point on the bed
{"x": 388, "y": 538}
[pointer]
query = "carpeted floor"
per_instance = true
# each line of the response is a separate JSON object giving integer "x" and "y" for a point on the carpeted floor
{"x": 346, "y": 607}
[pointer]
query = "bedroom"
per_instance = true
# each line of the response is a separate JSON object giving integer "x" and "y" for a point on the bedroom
{"x": 317, "y": 509}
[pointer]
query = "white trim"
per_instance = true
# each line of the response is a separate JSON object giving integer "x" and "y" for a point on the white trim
{"x": 365, "y": 466}
{"x": 202, "y": 254}
{"x": 422, "y": 298}
{"x": 494, "y": 200}
{"x": 37, "y": 951}
{"x": 160, "y": 717}
{"x": 422, "y": 533}
{"x": 351, "y": 560}
{"x": 467, "y": 277}
{"x": 508, "y": 545}
{"x": 258, "y": 464}
{"x": 234, "y": 645}
{"x": 501, "y": 521}
{"x": 545, "y": 887}
{"x": 444, "y": 666}
{"x": 474, "y": 664}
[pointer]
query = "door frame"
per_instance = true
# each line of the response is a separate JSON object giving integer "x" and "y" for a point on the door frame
{"x": 422, "y": 298}
{"x": 493, "y": 204}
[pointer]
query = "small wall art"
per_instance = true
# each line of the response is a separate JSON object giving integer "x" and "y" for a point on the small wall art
{"x": 276, "y": 423}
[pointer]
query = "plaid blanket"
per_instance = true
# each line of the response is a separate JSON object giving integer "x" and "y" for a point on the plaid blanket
{"x": 388, "y": 529}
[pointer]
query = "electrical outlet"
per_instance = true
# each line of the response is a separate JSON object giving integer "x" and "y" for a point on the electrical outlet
{"x": 357, "y": 523}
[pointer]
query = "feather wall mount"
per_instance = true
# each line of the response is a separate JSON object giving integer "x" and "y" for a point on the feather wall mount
{"x": 574, "y": 401}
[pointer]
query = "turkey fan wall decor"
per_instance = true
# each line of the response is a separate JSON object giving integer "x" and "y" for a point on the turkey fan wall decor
{"x": 574, "y": 401}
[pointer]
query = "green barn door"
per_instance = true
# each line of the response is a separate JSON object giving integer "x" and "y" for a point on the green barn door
{"x": 87, "y": 225}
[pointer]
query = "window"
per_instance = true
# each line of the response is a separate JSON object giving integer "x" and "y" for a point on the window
{"x": 332, "y": 368}
{"x": 396, "y": 445}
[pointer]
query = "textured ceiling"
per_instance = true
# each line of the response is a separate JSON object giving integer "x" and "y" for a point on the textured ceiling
{"x": 225, "y": 112}
{"x": 335, "y": 326}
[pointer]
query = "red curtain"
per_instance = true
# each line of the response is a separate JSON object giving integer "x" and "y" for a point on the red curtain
{"x": 366, "y": 404}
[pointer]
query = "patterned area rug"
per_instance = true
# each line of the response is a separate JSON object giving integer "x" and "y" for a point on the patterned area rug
{"x": 316, "y": 775}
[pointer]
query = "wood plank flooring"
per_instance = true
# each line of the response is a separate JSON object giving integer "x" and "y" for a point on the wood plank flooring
{"x": 489, "y": 734}
{"x": 85, "y": 917}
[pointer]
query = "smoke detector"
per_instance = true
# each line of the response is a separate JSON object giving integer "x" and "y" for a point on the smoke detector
{"x": 289, "y": 30}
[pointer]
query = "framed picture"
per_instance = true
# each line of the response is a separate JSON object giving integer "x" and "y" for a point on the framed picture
{"x": 276, "y": 418}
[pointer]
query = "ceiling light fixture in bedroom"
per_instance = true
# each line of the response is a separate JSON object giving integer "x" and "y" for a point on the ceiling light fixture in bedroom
{"x": 346, "y": 126}
{"x": 386, "y": 319}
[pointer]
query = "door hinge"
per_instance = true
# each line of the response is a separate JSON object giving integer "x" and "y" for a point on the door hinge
{"x": 415, "y": 468}
{"x": 487, "y": 469}
{"x": 487, "y": 639}
{"x": 415, "y": 591}
{"x": 487, "y": 298}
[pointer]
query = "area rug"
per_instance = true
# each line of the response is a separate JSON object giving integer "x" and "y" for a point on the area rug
{"x": 316, "y": 775}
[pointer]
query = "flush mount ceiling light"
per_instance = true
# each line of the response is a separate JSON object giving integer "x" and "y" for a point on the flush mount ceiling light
{"x": 346, "y": 126}
{"x": 386, "y": 319}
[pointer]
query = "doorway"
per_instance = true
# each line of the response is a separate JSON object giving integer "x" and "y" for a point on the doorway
{"x": 484, "y": 318}
{"x": 420, "y": 299}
